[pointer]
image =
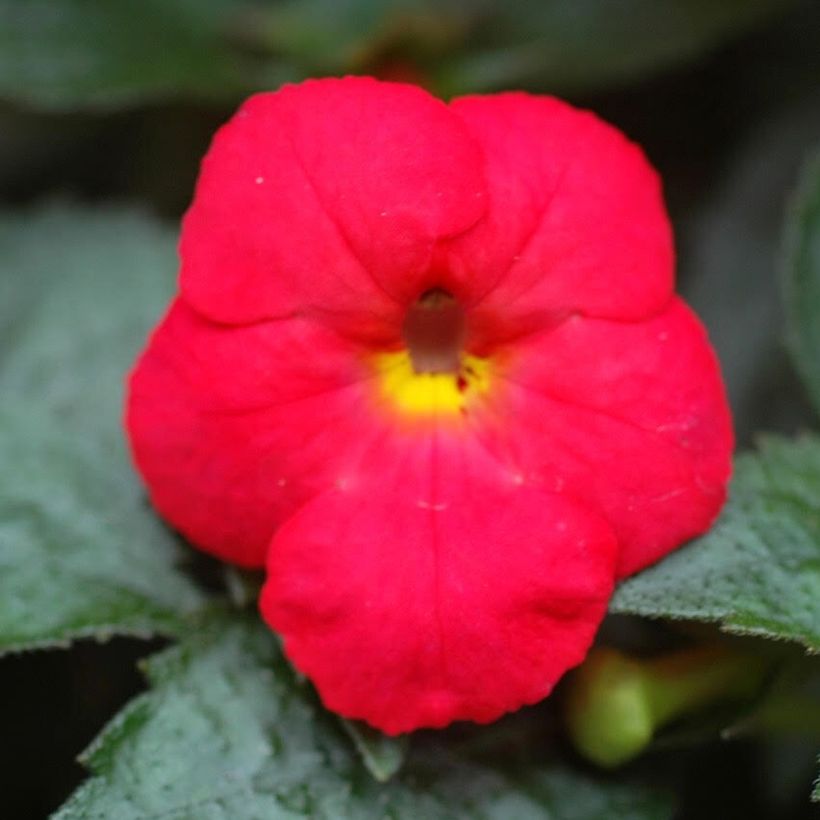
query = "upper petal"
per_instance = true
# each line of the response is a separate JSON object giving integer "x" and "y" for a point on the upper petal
{"x": 575, "y": 219}
{"x": 630, "y": 417}
{"x": 327, "y": 196}
{"x": 435, "y": 588}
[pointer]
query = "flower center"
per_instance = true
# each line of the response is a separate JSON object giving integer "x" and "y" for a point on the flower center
{"x": 433, "y": 375}
{"x": 434, "y": 332}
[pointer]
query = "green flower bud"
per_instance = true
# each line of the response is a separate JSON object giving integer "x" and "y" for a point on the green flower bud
{"x": 616, "y": 704}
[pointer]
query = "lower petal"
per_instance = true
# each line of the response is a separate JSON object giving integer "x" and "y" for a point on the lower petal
{"x": 437, "y": 587}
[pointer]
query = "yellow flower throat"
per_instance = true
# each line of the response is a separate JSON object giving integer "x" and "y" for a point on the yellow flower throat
{"x": 430, "y": 394}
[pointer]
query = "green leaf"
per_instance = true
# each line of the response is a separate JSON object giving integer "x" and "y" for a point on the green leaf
{"x": 802, "y": 279}
{"x": 815, "y": 795}
{"x": 228, "y": 732}
{"x": 79, "y": 291}
{"x": 383, "y": 755}
{"x": 81, "y": 552}
{"x": 757, "y": 571}
{"x": 68, "y": 53}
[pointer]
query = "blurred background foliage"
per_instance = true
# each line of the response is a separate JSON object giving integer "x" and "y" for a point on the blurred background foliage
{"x": 111, "y": 100}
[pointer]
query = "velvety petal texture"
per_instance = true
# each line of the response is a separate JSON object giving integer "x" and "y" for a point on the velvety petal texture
{"x": 575, "y": 220}
{"x": 458, "y": 591}
{"x": 440, "y": 543}
{"x": 629, "y": 416}
{"x": 237, "y": 427}
{"x": 327, "y": 198}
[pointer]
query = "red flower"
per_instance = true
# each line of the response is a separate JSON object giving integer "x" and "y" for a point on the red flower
{"x": 442, "y": 526}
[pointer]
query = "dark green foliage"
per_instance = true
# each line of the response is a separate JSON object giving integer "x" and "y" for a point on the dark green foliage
{"x": 802, "y": 279}
{"x": 757, "y": 571}
{"x": 82, "y": 553}
{"x": 226, "y": 731}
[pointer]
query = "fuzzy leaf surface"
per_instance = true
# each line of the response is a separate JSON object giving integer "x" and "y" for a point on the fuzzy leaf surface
{"x": 81, "y": 552}
{"x": 757, "y": 571}
{"x": 226, "y": 731}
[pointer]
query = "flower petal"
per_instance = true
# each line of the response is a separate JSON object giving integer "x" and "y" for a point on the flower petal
{"x": 631, "y": 417}
{"x": 234, "y": 428}
{"x": 327, "y": 197}
{"x": 433, "y": 587}
{"x": 575, "y": 220}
